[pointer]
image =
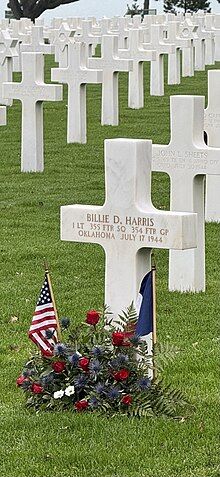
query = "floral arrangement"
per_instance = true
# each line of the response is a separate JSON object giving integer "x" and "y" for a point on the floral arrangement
{"x": 100, "y": 369}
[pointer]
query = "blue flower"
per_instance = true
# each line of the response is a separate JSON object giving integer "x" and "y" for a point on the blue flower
{"x": 80, "y": 382}
{"x": 95, "y": 366}
{"x": 113, "y": 394}
{"x": 49, "y": 333}
{"x": 122, "y": 359}
{"x": 97, "y": 351}
{"x": 74, "y": 359}
{"x": 65, "y": 322}
{"x": 114, "y": 363}
{"x": 119, "y": 361}
{"x": 144, "y": 384}
{"x": 60, "y": 349}
{"x": 100, "y": 388}
{"x": 48, "y": 379}
{"x": 94, "y": 402}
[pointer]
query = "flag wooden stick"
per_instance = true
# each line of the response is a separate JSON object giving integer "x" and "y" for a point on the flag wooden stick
{"x": 154, "y": 317}
{"x": 154, "y": 305}
{"x": 53, "y": 301}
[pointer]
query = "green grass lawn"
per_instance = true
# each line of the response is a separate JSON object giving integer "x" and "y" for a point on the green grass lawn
{"x": 76, "y": 445}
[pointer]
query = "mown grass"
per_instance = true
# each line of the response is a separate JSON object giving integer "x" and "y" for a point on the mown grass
{"x": 70, "y": 445}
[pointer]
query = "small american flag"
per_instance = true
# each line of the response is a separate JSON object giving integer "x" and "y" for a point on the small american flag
{"x": 43, "y": 329}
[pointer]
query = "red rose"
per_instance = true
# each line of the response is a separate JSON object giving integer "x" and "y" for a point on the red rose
{"x": 120, "y": 338}
{"x": 121, "y": 375}
{"x": 92, "y": 317}
{"x": 21, "y": 380}
{"x": 127, "y": 399}
{"x": 117, "y": 338}
{"x": 36, "y": 388}
{"x": 84, "y": 364}
{"x": 81, "y": 405}
{"x": 59, "y": 366}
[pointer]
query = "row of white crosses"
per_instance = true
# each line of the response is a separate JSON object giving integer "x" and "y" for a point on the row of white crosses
{"x": 186, "y": 152}
{"x": 198, "y": 30}
{"x": 91, "y": 35}
{"x": 60, "y": 38}
{"x": 77, "y": 121}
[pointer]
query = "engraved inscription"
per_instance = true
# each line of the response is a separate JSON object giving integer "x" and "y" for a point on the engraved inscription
{"x": 212, "y": 120}
{"x": 176, "y": 159}
{"x": 25, "y": 91}
{"x": 127, "y": 229}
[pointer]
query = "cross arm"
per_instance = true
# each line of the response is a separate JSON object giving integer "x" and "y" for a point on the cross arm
{"x": 53, "y": 92}
{"x": 60, "y": 75}
{"x": 95, "y": 63}
{"x": 192, "y": 160}
{"x": 92, "y": 76}
{"x": 162, "y": 157}
{"x": 11, "y": 90}
{"x": 117, "y": 64}
{"x": 173, "y": 230}
{"x": 167, "y": 49}
{"x": 82, "y": 223}
{"x": 139, "y": 229}
{"x": 212, "y": 160}
{"x": 126, "y": 65}
{"x": 183, "y": 42}
{"x": 146, "y": 55}
{"x": 140, "y": 55}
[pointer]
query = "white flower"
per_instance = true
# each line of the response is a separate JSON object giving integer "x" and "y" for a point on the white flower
{"x": 58, "y": 394}
{"x": 70, "y": 390}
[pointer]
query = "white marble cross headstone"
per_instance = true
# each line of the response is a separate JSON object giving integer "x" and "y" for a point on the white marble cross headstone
{"x": 136, "y": 21}
{"x": 7, "y": 53}
{"x": 138, "y": 55}
{"x": 127, "y": 226}
{"x": 105, "y": 26}
{"x": 85, "y": 35}
{"x": 213, "y": 21}
{"x": 157, "y": 67}
{"x": 209, "y": 40}
{"x": 36, "y": 42}
{"x": 110, "y": 64}
{"x": 122, "y": 30}
{"x": 212, "y": 128}
{"x": 187, "y": 160}
{"x": 174, "y": 59}
{"x": 15, "y": 31}
{"x": 76, "y": 76}
{"x": 199, "y": 44}
{"x": 32, "y": 91}
{"x": 188, "y": 30}
{"x": 61, "y": 39}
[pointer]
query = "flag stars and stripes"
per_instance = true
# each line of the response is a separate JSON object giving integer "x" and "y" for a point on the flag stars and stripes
{"x": 45, "y": 296}
{"x": 44, "y": 319}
